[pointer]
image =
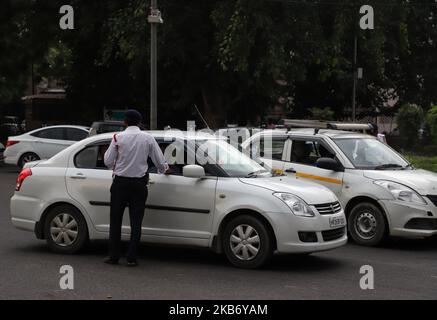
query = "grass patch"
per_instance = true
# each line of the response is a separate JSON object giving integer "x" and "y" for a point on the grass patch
{"x": 423, "y": 162}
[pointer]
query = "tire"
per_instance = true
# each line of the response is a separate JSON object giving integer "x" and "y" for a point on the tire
{"x": 367, "y": 225}
{"x": 241, "y": 229}
{"x": 75, "y": 234}
{"x": 27, "y": 157}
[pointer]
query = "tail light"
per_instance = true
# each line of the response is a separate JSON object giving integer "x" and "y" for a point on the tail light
{"x": 21, "y": 177}
{"x": 10, "y": 143}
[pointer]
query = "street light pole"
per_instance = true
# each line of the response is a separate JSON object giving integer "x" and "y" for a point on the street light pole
{"x": 154, "y": 19}
{"x": 354, "y": 91}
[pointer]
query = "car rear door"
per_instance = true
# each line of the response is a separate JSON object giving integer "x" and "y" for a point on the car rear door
{"x": 270, "y": 150}
{"x": 301, "y": 163}
{"x": 50, "y": 141}
{"x": 89, "y": 181}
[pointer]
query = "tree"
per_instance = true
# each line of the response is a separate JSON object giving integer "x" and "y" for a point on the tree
{"x": 431, "y": 121}
{"x": 410, "y": 120}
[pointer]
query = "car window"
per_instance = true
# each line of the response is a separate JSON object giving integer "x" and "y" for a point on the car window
{"x": 175, "y": 154}
{"x": 91, "y": 157}
{"x": 273, "y": 147}
{"x": 268, "y": 147}
{"x": 309, "y": 151}
{"x": 53, "y": 133}
{"x": 76, "y": 134}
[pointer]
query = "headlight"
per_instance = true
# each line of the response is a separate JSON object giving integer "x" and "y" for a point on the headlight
{"x": 401, "y": 192}
{"x": 296, "y": 204}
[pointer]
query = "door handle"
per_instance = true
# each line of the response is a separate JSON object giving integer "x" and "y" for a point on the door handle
{"x": 291, "y": 170}
{"x": 79, "y": 176}
{"x": 151, "y": 182}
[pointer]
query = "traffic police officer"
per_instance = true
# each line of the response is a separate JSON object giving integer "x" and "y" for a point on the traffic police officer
{"x": 127, "y": 156}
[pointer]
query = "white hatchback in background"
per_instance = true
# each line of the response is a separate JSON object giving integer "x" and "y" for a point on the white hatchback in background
{"x": 42, "y": 143}
{"x": 232, "y": 206}
{"x": 2, "y": 150}
{"x": 381, "y": 192}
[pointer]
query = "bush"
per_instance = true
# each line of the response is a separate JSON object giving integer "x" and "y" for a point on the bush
{"x": 409, "y": 119}
{"x": 431, "y": 121}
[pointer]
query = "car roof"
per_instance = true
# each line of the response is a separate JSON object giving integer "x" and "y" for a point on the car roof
{"x": 62, "y": 126}
{"x": 172, "y": 134}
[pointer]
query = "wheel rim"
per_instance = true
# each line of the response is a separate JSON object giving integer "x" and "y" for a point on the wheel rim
{"x": 245, "y": 242}
{"x": 64, "y": 229}
{"x": 29, "y": 158}
{"x": 366, "y": 225}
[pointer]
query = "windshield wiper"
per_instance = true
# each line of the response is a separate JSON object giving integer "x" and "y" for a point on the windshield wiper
{"x": 255, "y": 173}
{"x": 388, "y": 166}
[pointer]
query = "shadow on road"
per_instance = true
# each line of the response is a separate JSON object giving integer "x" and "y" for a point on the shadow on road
{"x": 8, "y": 169}
{"x": 190, "y": 256}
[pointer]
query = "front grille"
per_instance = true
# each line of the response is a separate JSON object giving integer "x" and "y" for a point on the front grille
{"x": 433, "y": 199}
{"x": 328, "y": 208}
{"x": 331, "y": 235}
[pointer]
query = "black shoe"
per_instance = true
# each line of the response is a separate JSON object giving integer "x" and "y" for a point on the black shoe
{"x": 132, "y": 263}
{"x": 110, "y": 260}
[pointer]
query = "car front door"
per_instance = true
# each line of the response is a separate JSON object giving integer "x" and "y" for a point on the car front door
{"x": 301, "y": 163}
{"x": 179, "y": 206}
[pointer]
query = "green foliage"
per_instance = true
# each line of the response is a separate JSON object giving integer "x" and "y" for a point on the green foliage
{"x": 233, "y": 58}
{"x": 431, "y": 120}
{"x": 423, "y": 162}
{"x": 409, "y": 120}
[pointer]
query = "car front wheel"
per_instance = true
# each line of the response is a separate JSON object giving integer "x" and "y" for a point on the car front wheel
{"x": 65, "y": 230}
{"x": 247, "y": 242}
{"x": 367, "y": 225}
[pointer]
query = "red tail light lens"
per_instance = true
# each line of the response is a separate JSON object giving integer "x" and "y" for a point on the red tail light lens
{"x": 21, "y": 177}
{"x": 10, "y": 143}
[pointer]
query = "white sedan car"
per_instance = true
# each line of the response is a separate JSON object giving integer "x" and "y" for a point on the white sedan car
{"x": 2, "y": 150}
{"x": 232, "y": 205}
{"x": 42, "y": 143}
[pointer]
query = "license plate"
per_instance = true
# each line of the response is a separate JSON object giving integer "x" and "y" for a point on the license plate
{"x": 336, "y": 222}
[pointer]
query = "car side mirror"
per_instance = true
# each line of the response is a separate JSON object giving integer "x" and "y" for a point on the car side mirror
{"x": 193, "y": 171}
{"x": 329, "y": 164}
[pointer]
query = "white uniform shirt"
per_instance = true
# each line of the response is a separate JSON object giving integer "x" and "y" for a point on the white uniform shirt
{"x": 128, "y": 153}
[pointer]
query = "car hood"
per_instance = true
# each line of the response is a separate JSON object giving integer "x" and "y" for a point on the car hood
{"x": 310, "y": 192}
{"x": 422, "y": 181}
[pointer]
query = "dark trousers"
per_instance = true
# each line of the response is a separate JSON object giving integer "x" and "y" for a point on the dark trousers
{"x": 125, "y": 192}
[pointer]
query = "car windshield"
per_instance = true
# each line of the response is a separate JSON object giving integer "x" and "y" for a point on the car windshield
{"x": 368, "y": 153}
{"x": 232, "y": 161}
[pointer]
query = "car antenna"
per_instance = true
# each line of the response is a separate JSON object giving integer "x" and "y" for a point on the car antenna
{"x": 316, "y": 131}
{"x": 203, "y": 119}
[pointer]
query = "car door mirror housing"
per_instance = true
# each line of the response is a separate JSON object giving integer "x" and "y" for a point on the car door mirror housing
{"x": 193, "y": 171}
{"x": 329, "y": 164}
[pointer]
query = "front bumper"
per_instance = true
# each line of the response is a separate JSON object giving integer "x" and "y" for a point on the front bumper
{"x": 287, "y": 227}
{"x": 410, "y": 220}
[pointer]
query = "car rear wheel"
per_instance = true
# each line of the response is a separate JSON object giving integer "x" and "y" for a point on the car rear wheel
{"x": 65, "y": 230}
{"x": 367, "y": 225}
{"x": 247, "y": 242}
{"x": 27, "y": 157}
